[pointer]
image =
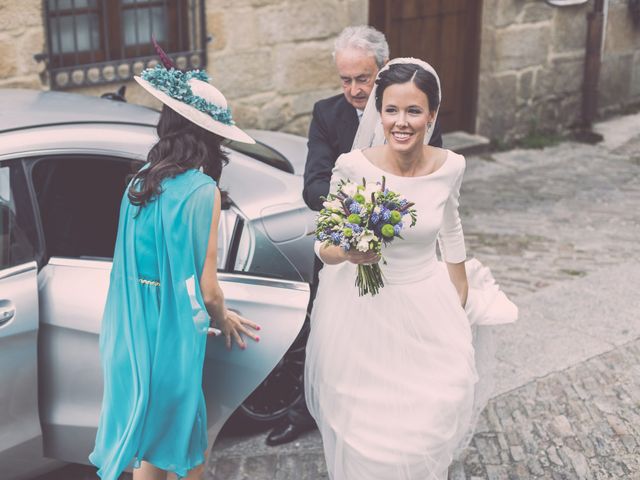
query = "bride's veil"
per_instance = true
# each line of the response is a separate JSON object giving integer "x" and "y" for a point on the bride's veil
{"x": 370, "y": 131}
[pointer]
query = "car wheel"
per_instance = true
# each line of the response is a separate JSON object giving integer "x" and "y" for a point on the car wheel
{"x": 281, "y": 389}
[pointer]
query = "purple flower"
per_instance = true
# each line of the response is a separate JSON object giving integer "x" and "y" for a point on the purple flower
{"x": 355, "y": 207}
{"x": 386, "y": 214}
{"x": 357, "y": 229}
{"x": 375, "y": 218}
{"x": 397, "y": 228}
{"x": 335, "y": 238}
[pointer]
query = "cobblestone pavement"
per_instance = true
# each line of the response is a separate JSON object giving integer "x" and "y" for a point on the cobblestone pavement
{"x": 581, "y": 423}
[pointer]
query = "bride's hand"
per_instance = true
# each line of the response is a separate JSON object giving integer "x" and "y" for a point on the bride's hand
{"x": 233, "y": 326}
{"x": 362, "y": 258}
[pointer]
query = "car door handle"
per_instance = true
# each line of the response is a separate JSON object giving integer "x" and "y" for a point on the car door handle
{"x": 7, "y": 311}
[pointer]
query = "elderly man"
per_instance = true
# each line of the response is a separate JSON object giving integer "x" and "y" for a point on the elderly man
{"x": 359, "y": 53}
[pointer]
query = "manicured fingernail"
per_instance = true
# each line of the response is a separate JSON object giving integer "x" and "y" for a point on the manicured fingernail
{"x": 257, "y": 339}
{"x": 257, "y": 327}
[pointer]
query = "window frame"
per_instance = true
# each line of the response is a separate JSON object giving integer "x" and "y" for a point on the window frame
{"x": 35, "y": 236}
{"x": 185, "y": 29}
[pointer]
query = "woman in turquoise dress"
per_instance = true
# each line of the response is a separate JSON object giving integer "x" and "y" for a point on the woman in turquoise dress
{"x": 164, "y": 291}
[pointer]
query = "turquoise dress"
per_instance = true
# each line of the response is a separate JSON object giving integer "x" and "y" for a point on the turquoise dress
{"x": 154, "y": 333}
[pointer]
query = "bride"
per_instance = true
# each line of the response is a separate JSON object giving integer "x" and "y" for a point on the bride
{"x": 391, "y": 379}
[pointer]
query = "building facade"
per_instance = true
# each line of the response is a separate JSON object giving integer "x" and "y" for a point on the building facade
{"x": 508, "y": 67}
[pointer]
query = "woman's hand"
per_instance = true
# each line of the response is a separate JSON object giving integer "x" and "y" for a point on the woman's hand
{"x": 458, "y": 275}
{"x": 233, "y": 326}
{"x": 362, "y": 258}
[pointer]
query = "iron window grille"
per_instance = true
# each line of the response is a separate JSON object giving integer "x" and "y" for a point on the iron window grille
{"x": 92, "y": 42}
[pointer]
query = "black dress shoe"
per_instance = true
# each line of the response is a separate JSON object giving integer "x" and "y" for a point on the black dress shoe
{"x": 285, "y": 433}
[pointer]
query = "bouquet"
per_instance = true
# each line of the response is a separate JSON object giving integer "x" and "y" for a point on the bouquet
{"x": 364, "y": 217}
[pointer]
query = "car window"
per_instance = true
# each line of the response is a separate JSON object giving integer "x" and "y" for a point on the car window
{"x": 79, "y": 201}
{"x": 261, "y": 152}
{"x": 256, "y": 254}
{"x": 18, "y": 234}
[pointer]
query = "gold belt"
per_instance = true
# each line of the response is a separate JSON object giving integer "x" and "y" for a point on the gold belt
{"x": 153, "y": 283}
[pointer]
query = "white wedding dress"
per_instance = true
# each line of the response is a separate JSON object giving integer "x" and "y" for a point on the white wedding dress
{"x": 391, "y": 379}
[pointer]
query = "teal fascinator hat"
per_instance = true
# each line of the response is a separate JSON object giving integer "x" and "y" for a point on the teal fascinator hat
{"x": 191, "y": 95}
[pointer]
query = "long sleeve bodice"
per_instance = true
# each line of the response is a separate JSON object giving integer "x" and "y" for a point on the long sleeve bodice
{"x": 436, "y": 198}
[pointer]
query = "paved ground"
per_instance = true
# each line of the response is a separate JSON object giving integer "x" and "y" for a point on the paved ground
{"x": 559, "y": 228}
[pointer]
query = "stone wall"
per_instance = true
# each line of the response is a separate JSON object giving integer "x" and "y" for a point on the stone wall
{"x": 620, "y": 72}
{"x": 532, "y": 66}
{"x": 22, "y": 36}
{"x": 272, "y": 58}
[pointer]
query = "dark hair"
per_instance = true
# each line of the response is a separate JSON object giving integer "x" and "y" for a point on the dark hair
{"x": 182, "y": 146}
{"x": 407, "y": 72}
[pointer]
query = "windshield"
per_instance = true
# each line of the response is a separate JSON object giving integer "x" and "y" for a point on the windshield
{"x": 263, "y": 153}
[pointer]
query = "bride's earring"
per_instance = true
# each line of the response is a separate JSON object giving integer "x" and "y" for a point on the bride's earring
{"x": 429, "y": 125}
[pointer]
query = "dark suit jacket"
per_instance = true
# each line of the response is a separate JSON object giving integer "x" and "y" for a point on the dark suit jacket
{"x": 331, "y": 133}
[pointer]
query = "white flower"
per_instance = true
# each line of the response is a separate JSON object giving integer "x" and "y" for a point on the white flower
{"x": 350, "y": 189}
{"x": 363, "y": 241}
{"x": 335, "y": 218}
{"x": 377, "y": 210}
{"x": 333, "y": 204}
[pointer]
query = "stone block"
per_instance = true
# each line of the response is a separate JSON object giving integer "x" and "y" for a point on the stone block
{"x": 8, "y": 59}
{"x": 500, "y": 13}
{"x": 570, "y": 29}
{"x": 302, "y": 103}
{"x": 30, "y": 81}
{"x": 525, "y": 86}
{"x": 622, "y": 36}
{"x": 242, "y": 73}
{"x": 536, "y": 12}
{"x": 27, "y": 45}
{"x": 496, "y": 105}
{"x": 304, "y": 67}
{"x": 615, "y": 80}
{"x": 297, "y": 21}
{"x": 543, "y": 83}
{"x": 276, "y": 114}
{"x": 18, "y": 14}
{"x": 521, "y": 46}
{"x": 487, "y": 49}
{"x": 242, "y": 29}
{"x": 217, "y": 30}
{"x": 635, "y": 76}
{"x": 299, "y": 126}
{"x": 246, "y": 115}
{"x": 567, "y": 75}
{"x": 570, "y": 110}
{"x": 358, "y": 11}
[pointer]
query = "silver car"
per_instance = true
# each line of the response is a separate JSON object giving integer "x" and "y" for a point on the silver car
{"x": 64, "y": 161}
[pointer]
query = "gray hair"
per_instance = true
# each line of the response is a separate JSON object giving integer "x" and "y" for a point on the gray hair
{"x": 365, "y": 38}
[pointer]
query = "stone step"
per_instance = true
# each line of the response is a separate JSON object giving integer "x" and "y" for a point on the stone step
{"x": 465, "y": 143}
